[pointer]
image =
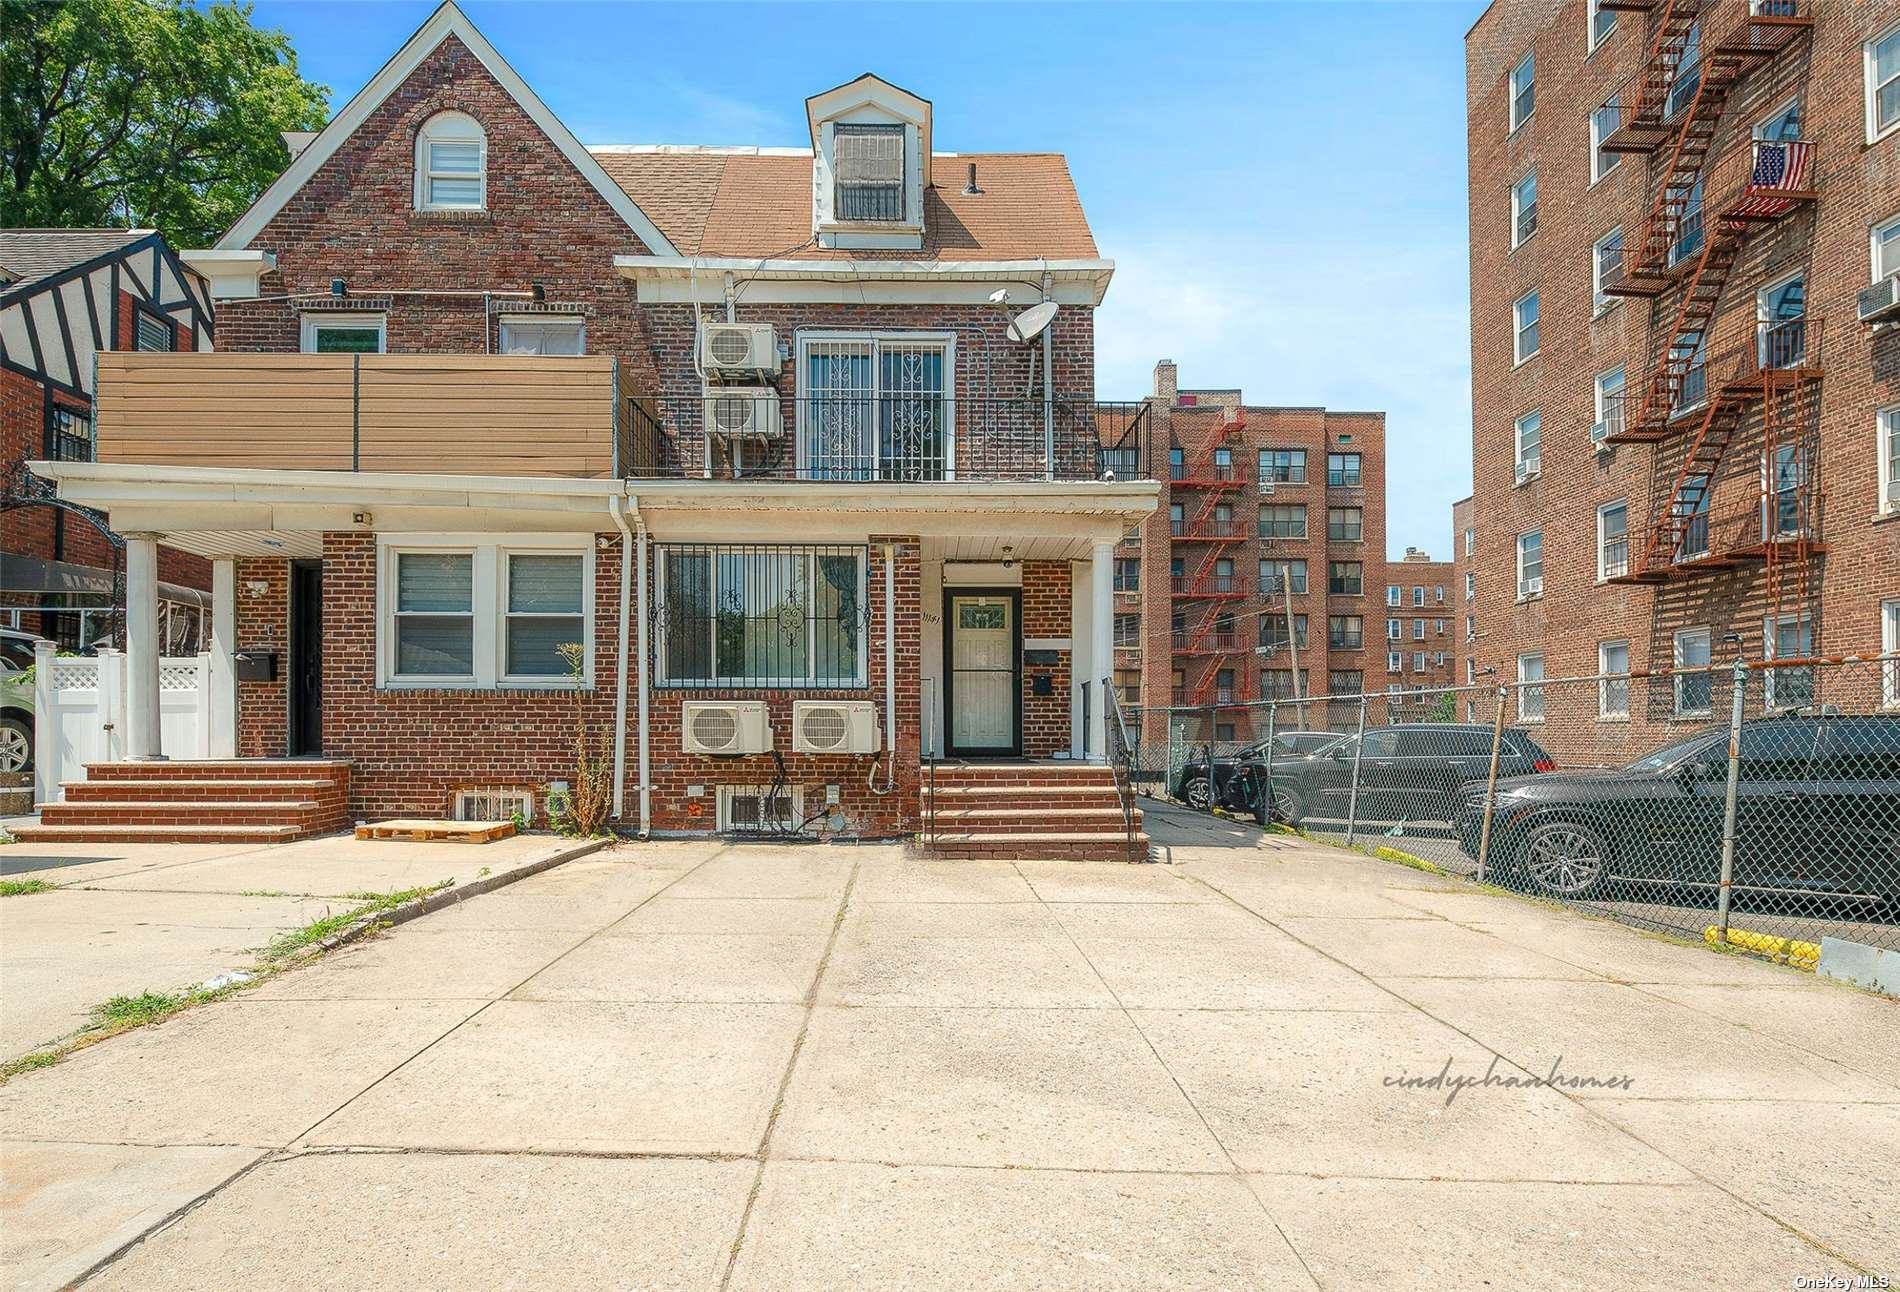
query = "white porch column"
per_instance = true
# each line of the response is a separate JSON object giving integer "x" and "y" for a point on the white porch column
{"x": 222, "y": 737}
{"x": 1102, "y": 644}
{"x": 141, "y": 647}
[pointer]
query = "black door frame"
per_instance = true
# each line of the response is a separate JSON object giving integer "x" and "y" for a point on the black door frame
{"x": 304, "y": 734}
{"x": 950, "y": 746}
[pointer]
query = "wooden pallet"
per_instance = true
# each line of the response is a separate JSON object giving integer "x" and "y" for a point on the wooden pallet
{"x": 437, "y": 831}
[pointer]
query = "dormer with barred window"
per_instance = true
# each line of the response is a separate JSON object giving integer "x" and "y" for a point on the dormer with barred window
{"x": 870, "y": 159}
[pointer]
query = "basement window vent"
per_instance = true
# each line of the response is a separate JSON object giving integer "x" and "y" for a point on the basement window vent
{"x": 494, "y": 804}
{"x": 761, "y": 810}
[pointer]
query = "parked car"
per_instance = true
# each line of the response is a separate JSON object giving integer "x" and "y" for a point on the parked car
{"x": 1190, "y": 784}
{"x": 16, "y": 700}
{"x": 1412, "y": 771}
{"x": 1817, "y": 809}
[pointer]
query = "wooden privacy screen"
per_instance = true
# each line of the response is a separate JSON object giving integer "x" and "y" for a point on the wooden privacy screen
{"x": 502, "y": 415}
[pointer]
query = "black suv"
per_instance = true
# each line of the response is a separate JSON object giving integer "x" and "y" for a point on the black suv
{"x": 1817, "y": 810}
{"x": 1408, "y": 772}
{"x": 1189, "y": 784}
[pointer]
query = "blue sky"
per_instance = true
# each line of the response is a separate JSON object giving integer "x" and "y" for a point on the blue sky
{"x": 1282, "y": 186}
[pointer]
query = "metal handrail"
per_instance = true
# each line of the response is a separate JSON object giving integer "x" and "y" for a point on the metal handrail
{"x": 1121, "y": 755}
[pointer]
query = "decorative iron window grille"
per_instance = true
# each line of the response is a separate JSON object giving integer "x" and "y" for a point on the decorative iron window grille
{"x": 68, "y": 435}
{"x": 870, "y": 171}
{"x": 755, "y": 615}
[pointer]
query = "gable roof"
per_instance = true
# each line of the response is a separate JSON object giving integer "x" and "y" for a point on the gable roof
{"x": 446, "y": 21}
{"x": 34, "y": 254}
{"x": 756, "y": 203}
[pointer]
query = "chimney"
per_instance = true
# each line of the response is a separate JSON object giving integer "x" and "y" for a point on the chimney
{"x": 970, "y": 189}
{"x": 1167, "y": 383}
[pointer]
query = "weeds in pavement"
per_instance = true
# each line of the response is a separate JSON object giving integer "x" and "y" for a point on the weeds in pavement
{"x": 24, "y": 887}
{"x": 289, "y": 943}
{"x": 261, "y": 892}
{"x": 136, "y": 1011}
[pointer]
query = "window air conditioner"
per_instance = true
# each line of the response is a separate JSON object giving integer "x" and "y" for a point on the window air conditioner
{"x": 1881, "y": 302}
{"x": 728, "y": 727}
{"x": 1529, "y": 469}
{"x": 1266, "y": 486}
{"x": 743, "y": 412}
{"x": 738, "y": 347}
{"x": 835, "y": 727}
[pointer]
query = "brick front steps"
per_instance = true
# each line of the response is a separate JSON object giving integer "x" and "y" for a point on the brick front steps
{"x": 266, "y": 800}
{"x": 1055, "y": 811}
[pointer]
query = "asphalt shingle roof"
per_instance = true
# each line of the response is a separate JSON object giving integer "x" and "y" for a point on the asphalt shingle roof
{"x": 34, "y": 254}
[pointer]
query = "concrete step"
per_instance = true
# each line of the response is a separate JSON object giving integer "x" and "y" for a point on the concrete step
{"x": 1073, "y": 846}
{"x": 201, "y": 790}
{"x": 161, "y": 833}
{"x": 327, "y": 769}
{"x": 1042, "y": 821}
{"x": 289, "y": 812}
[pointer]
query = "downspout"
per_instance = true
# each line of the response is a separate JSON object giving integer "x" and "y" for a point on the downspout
{"x": 1048, "y": 385}
{"x": 617, "y": 508}
{"x": 646, "y": 690}
{"x": 890, "y": 673}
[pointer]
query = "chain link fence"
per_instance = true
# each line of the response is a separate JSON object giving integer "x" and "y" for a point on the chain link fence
{"x": 1749, "y": 802}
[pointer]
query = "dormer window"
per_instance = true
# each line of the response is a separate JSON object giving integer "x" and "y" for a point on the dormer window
{"x": 870, "y": 171}
{"x": 451, "y": 164}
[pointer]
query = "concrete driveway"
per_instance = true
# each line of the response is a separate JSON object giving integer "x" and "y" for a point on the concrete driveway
{"x": 695, "y": 1066}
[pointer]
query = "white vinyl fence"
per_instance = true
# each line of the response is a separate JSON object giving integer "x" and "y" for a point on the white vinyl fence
{"x": 79, "y": 713}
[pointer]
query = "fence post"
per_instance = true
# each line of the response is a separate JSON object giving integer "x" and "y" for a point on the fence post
{"x": 111, "y": 705}
{"x": 202, "y": 698}
{"x": 46, "y": 726}
{"x": 1491, "y": 786}
{"x": 1352, "y": 800}
{"x": 1213, "y": 795}
{"x": 1739, "y": 687}
{"x": 1266, "y": 777}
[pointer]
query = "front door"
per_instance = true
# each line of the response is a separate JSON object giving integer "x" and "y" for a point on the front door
{"x": 306, "y": 658}
{"x": 983, "y": 694}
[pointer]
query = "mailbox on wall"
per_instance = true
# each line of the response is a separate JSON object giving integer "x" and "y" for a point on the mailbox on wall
{"x": 255, "y": 665}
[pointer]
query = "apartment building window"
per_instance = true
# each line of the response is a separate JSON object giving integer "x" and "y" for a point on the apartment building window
{"x": 1438, "y": 627}
{"x": 1394, "y": 630}
{"x": 1788, "y": 637}
{"x": 1523, "y": 210}
{"x": 1530, "y": 698}
{"x": 1883, "y": 83}
{"x": 1273, "y": 631}
{"x": 1471, "y": 539}
{"x": 1224, "y": 693}
{"x": 870, "y": 175}
{"x": 1530, "y": 564}
{"x": 1418, "y": 661}
{"x": 1524, "y": 312}
{"x": 1783, "y": 125}
{"x": 1688, "y": 78}
{"x": 1609, "y": 405}
{"x": 1282, "y": 521}
{"x": 1277, "y": 684}
{"x": 1283, "y": 466}
{"x": 1394, "y": 595}
{"x": 1346, "y": 681}
{"x": 1887, "y": 445}
{"x": 1223, "y": 519}
{"x": 1418, "y": 594}
{"x": 1127, "y": 574}
{"x": 1886, "y": 249}
{"x": 1345, "y": 524}
{"x": 1781, "y": 322}
{"x": 1613, "y": 540}
{"x": 1602, "y": 23}
{"x": 344, "y": 333}
{"x": 1603, "y": 123}
{"x": 1606, "y": 269}
{"x": 1418, "y": 630}
{"x": 1438, "y": 659}
{"x": 1688, "y": 226}
{"x": 1781, "y": 508}
{"x": 1694, "y": 690}
{"x": 1128, "y": 630}
{"x": 1613, "y": 684}
{"x": 1345, "y": 632}
{"x": 1523, "y": 90}
{"x": 1890, "y": 647}
{"x": 742, "y": 615}
{"x": 1177, "y": 464}
{"x": 451, "y": 164}
{"x": 1342, "y": 470}
{"x": 1693, "y": 392}
{"x": 1128, "y": 682}
{"x": 536, "y": 334}
{"x": 1530, "y": 445}
{"x": 1471, "y": 585}
{"x": 1694, "y": 514}
{"x": 482, "y": 615}
{"x": 1177, "y": 566}
{"x": 1471, "y": 628}
{"x": 1177, "y": 519}
{"x": 1394, "y": 661}
{"x": 68, "y": 434}
{"x": 1438, "y": 593}
{"x": 1271, "y": 572}
{"x": 1224, "y": 731}
{"x": 1345, "y": 578}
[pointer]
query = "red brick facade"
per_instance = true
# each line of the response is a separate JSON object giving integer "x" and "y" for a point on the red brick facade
{"x": 1047, "y": 616}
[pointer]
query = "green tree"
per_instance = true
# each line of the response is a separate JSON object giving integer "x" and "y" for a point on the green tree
{"x": 143, "y": 113}
{"x": 1445, "y": 709}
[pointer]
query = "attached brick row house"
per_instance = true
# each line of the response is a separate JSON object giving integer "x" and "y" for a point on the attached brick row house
{"x": 797, "y": 444}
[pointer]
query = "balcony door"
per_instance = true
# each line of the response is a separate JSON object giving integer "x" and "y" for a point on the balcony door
{"x": 983, "y": 683}
{"x": 876, "y": 407}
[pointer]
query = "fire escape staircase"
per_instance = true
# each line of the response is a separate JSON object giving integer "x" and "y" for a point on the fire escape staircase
{"x": 1206, "y": 639}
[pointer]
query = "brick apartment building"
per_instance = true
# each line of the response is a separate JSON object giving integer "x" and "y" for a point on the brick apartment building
{"x": 1464, "y": 582}
{"x": 1682, "y": 427}
{"x": 1268, "y": 546}
{"x": 1421, "y": 629}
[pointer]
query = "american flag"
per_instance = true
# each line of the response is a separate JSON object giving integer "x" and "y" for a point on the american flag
{"x": 1780, "y": 167}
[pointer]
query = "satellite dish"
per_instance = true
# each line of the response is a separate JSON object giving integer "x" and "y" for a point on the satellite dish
{"x": 1031, "y": 323}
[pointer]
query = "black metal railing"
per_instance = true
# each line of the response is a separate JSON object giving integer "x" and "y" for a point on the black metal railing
{"x": 1123, "y": 755}
{"x": 68, "y": 435}
{"x": 752, "y": 433}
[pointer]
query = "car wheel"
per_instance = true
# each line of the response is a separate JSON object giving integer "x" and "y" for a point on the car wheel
{"x": 1196, "y": 794}
{"x": 1287, "y": 805}
{"x": 16, "y": 745}
{"x": 1565, "y": 859}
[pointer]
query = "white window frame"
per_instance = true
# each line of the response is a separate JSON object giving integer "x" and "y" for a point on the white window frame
{"x": 1527, "y": 69}
{"x": 1471, "y": 539}
{"x": 1875, "y": 131}
{"x": 1887, "y": 451}
{"x": 1394, "y": 595}
{"x": 1602, "y": 163}
{"x": 1890, "y": 647}
{"x": 544, "y": 322}
{"x": 1529, "y": 466}
{"x": 1686, "y": 636}
{"x": 1610, "y": 385}
{"x": 451, "y": 127}
{"x": 1604, "y": 572}
{"x": 1418, "y": 630}
{"x": 1518, "y": 353}
{"x": 1471, "y": 628}
{"x": 860, "y": 682}
{"x": 1530, "y": 692}
{"x": 805, "y": 339}
{"x": 1519, "y": 206}
{"x": 309, "y": 325}
{"x": 1609, "y": 708}
{"x": 1602, "y": 302}
{"x": 1394, "y": 630}
{"x": 1438, "y": 594}
{"x": 1759, "y": 131}
{"x": 1875, "y": 236}
{"x": 1592, "y": 41}
{"x": 1530, "y": 586}
{"x": 1395, "y": 661}
{"x": 488, "y": 604}
{"x": 1769, "y": 628}
{"x": 1471, "y": 584}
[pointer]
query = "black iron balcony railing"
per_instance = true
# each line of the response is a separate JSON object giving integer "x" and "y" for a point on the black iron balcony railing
{"x": 748, "y": 433}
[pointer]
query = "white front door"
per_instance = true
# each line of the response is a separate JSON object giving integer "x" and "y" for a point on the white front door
{"x": 983, "y": 683}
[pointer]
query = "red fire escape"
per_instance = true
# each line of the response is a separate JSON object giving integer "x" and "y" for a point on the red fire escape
{"x": 1700, "y": 50}
{"x": 1204, "y": 597}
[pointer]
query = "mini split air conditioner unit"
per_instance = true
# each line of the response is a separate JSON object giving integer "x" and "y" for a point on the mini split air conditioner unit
{"x": 725, "y": 727}
{"x": 738, "y": 347}
{"x": 743, "y": 412}
{"x": 835, "y": 727}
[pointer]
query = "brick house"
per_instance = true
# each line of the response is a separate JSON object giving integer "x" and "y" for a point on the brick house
{"x": 798, "y": 443}
{"x": 1684, "y": 429}
{"x": 1421, "y": 631}
{"x": 65, "y": 296}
